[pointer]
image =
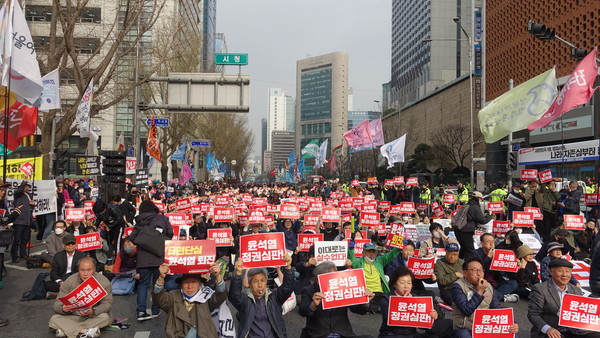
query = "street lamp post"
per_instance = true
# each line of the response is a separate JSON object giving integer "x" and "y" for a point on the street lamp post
{"x": 470, "y": 51}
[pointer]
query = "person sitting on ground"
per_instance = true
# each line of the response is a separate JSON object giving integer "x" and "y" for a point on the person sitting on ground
{"x": 54, "y": 242}
{"x": 84, "y": 322}
{"x": 402, "y": 260}
{"x": 511, "y": 242}
{"x": 555, "y": 251}
{"x": 527, "y": 275}
{"x": 438, "y": 240}
{"x": 470, "y": 293}
{"x": 447, "y": 271}
{"x": 504, "y": 287}
{"x": 330, "y": 231}
{"x": 260, "y": 309}
{"x": 100, "y": 255}
{"x": 189, "y": 309}
{"x": 64, "y": 264}
{"x": 126, "y": 259}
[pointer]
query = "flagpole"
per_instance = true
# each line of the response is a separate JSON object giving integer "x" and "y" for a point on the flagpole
{"x": 6, "y": 101}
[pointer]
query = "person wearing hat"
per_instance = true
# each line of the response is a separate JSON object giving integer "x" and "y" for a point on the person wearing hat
{"x": 475, "y": 218}
{"x": 555, "y": 251}
{"x": 527, "y": 275}
{"x": 545, "y": 303}
{"x": 22, "y": 224}
{"x": 64, "y": 263}
{"x": 561, "y": 236}
{"x": 448, "y": 270}
{"x": 373, "y": 267}
{"x": 189, "y": 308}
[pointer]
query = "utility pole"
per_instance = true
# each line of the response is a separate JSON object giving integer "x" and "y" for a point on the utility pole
{"x": 509, "y": 172}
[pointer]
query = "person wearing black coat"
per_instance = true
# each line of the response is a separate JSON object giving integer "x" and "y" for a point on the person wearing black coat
{"x": 22, "y": 224}
{"x": 475, "y": 217}
{"x": 527, "y": 275}
{"x": 61, "y": 269}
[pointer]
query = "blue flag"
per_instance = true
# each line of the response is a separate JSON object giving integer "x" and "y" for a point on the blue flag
{"x": 292, "y": 159}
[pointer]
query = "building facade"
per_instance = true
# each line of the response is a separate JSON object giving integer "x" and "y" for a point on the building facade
{"x": 321, "y": 98}
{"x": 279, "y": 115}
{"x": 357, "y": 116}
{"x": 263, "y": 141}
{"x": 283, "y": 144}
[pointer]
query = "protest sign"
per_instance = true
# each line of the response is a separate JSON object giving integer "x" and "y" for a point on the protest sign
{"x": 504, "y": 260}
{"x": 384, "y": 205}
{"x": 256, "y": 216}
{"x": 89, "y": 212}
{"x": 500, "y": 227}
{"x": 289, "y": 210}
{"x": 176, "y": 232}
{"x": 422, "y": 268}
{"x": 522, "y": 219}
{"x": 372, "y": 180}
{"x": 311, "y": 220}
{"x": 348, "y": 234}
{"x": 395, "y": 238}
{"x": 223, "y": 214}
{"x": 262, "y": 250}
{"x": 315, "y": 207}
{"x": 26, "y": 168}
{"x": 422, "y": 207}
{"x": 330, "y": 214}
{"x": 545, "y": 176}
{"x": 347, "y": 207}
{"x": 180, "y": 219}
{"x": 87, "y": 166}
{"x": 449, "y": 198}
{"x": 222, "y": 201}
{"x": 183, "y": 205}
{"x": 343, "y": 288}
{"x": 127, "y": 231}
{"x": 369, "y": 207}
{"x": 529, "y": 174}
{"x": 395, "y": 209}
{"x": 514, "y": 200}
{"x": 592, "y": 199}
{"x": 305, "y": 241}
{"x": 407, "y": 208}
{"x": 69, "y": 204}
{"x": 370, "y": 219}
{"x": 191, "y": 256}
{"x": 580, "y": 312}
{"x": 495, "y": 207}
{"x": 74, "y": 214}
{"x": 358, "y": 246}
{"x": 574, "y": 222}
{"x": 333, "y": 251}
{"x": 410, "y": 312}
{"x": 357, "y": 201}
{"x": 221, "y": 236}
{"x": 398, "y": 180}
{"x": 537, "y": 213}
{"x": 412, "y": 181}
{"x": 496, "y": 322}
{"x": 43, "y": 192}
{"x": 86, "y": 295}
{"x": 388, "y": 183}
{"x": 159, "y": 205}
{"x": 88, "y": 242}
{"x": 411, "y": 232}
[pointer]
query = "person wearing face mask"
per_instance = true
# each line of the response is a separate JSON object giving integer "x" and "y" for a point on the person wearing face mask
{"x": 515, "y": 200}
{"x": 438, "y": 240}
{"x": 329, "y": 231}
{"x": 54, "y": 242}
{"x": 475, "y": 218}
{"x": 126, "y": 260}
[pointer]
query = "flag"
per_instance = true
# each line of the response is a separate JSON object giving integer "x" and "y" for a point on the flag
{"x": 311, "y": 149}
{"x": 577, "y": 91}
{"x": 82, "y": 116}
{"x": 22, "y": 122}
{"x": 292, "y": 159}
{"x": 289, "y": 177}
{"x": 394, "y": 151}
{"x": 120, "y": 145}
{"x": 179, "y": 154}
{"x": 51, "y": 92}
{"x": 152, "y": 143}
{"x": 186, "y": 173}
{"x": 376, "y": 129}
{"x": 92, "y": 147}
{"x": 519, "y": 107}
{"x": 210, "y": 161}
{"x": 273, "y": 172}
{"x": 19, "y": 60}
{"x": 301, "y": 167}
{"x": 333, "y": 162}
{"x": 359, "y": 137}
{"x": 322, "y": 157}
{"x": 254, "y": 170}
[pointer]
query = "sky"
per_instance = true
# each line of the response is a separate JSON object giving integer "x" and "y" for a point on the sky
{"x": 277, "y": 33}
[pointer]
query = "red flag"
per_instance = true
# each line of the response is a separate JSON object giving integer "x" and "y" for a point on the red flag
{"x": 333, "y": 163}
{"x": 577, "y": 91}
{"x": 22, "y": 122}
{"x": 152, "y": 145}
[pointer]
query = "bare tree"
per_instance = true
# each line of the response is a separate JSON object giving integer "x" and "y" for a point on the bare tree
{"x": 452, "y": 144}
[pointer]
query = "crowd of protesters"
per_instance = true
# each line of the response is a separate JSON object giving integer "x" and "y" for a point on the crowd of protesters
{"x": 461, "y": 283}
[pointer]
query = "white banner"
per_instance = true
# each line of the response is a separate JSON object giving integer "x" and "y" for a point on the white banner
{"x": 44, "y": 194}
{"x": 570, "y": 152}
{"x": 51, "y": 93}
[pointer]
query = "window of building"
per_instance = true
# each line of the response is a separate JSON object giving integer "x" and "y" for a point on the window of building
{"x": 44, "y": 13}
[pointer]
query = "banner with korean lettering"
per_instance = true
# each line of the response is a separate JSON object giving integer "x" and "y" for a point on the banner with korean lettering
{"x": 180, "y": 219}
{"x": 330, "y": 214}
{"x": 398, "y": 180}
{"x": 343, "y": 288}
{"x": 358, "y": 246}
{"x": 44, "y": 194}
{"x": 412, "y": 181}
{"x": 305, "y": 241}
{"x": 86, "y": 295}
{"x": 183, "y": 205}
{"x": 500, "y": 227}
{"x": 522, "y": 219}
{"x": 221, "y": 236}
{"x": 372, "y": 180}
{"x": 370, "y": 219}
{"x": 410, "y": 312}
{"x": 89, "y": 212}
{"x": 422, "y": 268}
{"x": 223, "y": 214}
{"x": 262, "y": 250}
{"x": 75, "y": 214}
{"x": 580, "y": 312}
{"x": 407, "y": 208}
{"x": 193, "y": 256}
{"x": 545, "y": 176}
{"x": 592, "y": 199}
{"x": 369, "y": 207}
{"x": 127, "y": 231}
{"x": 449, "y": 198}
{"x": 537, "y": 213}
{"x": 504, "y": 260}
{"x": 289, "y": 210}
{"x": 574, "y": 222}
{"x": 529, "y": 174}
{"x": 88, "y": 242}
{"x": 495, "y": 207}
{"x": 492, "y": 322}
{"x": 333, "y": 251}
{"x": 395, "y": 238}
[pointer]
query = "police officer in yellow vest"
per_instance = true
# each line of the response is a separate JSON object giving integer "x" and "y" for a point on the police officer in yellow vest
{"x": 425, "y": 194}
{"x": 498, "y": 194}
{"x": 463, "y": 194}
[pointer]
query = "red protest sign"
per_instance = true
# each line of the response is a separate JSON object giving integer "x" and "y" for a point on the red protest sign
{"x": 259, "y": 200}
{"x": 522, "y": 219}
{"x": 504, "y": 260}
{"x": 370, "y": 219}
{"x": 348, "y": 234}
{"x": 529, "y": 174}
{"x": 223, "y": 214}
{"x": 346, "y": 218}
{"x": 395, "y": 238}
{"x": 388, "y": 183}
{"x": 89, "y": 212}
{"x": 398, "y": 180}
{"x": 27, "y": 168}
{"x": 412, "y": 181}
{"x": 500, "y": 227}
{"x": 247, "y": 198}
{"x": 357, "y": 201}
{"x": 407, "y": 208}
{"x": 289, "y": 210}
{"x": 537, "y": 213}
{"x": 574, "y": 222}
{"x": 221, "y": 236}
{"x": 256, "y": 216}
{"x": 180, "y": 219}
{"x": 262, "y": 250}
{"x": 176, "y": 232}
{"x": 384, "y": 205}
{"x": 449, "y": 198}
{"x": 372, "y": 180}
{"x": 580, "y": 312}
{"x": 343, "y": 288}
{"x": 305, "y": 241}
{"x": 221, "y": 201}
{"x": 422, "y": 207}
{"x": 422, "y": 268}
{"x": 160, "y": 206}
{"x": 545, "y": 176}
{"x": 88, "y": 242}
{"x": 592, "y": 199}
{"x": 194, "y": 256}
{"x": 496, "y": 322}
{"x": 196, "y": 210}
{"x": 311, "y": 220}
{"x": 69, "y": 204}
{"x": 183, "y": 204}
{"x": 346, "y": 207}
{"x": 496, "y": 207}
{"x": 358, "y": 246}
{"x": 410, "y": 311}
{"x": 272, "y": 209}
{"x": 75, "y": 214}
{"x": 395, "y": 209}
{"x": 330, "y": 214}
{"x": 127, "y": 231}
{"x": 86, "y": 295}
{"x": 315, "y": 207}
{"x": 369, "y": 207}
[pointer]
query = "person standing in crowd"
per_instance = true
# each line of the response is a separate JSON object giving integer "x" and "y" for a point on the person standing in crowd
{"x": 259, "y": 309}
{"x": 447, "y": 271}
{"x": 147, "y": 262}
{"x": 527, "y": 275}
{"x": 543, "y": 197}
{"x": 573, "y": 199}
{"x": 463, "y": 193}
{"x": 515, "y": 200}
{"x": 474, "y": 218}
{"x": 22, "y": 225}
{"x": 188, "y": 309}
{"x": 84, "y": 322}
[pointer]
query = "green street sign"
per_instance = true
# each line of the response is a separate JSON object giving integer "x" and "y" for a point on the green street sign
{"x": 231, "y": 59}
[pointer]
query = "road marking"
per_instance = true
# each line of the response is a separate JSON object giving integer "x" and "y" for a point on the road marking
{"x": 16, "y": 267}
{"x": 142, "y": 334}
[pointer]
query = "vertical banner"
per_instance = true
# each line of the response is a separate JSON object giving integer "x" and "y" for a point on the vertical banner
{"x": 395, "y": 239}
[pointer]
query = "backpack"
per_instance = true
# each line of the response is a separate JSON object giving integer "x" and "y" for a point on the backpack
{"x": 459, "y": 221}
{"x": 38, "y": 290}
{"x": 34, "y": 262}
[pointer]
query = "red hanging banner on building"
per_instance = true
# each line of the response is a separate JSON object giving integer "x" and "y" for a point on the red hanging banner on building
{"x": 493, "y": 323}
{"x": 86, "y": 295}
{"x": 580, "y": 312}
{"x": 422, "y": 268}
{"x": 262, "y": 250}
{"x": 190, "y": 256}
{"x": 221, "y": 236}
{"x": 410, "y": 312}
{"x": 343, "y": 288}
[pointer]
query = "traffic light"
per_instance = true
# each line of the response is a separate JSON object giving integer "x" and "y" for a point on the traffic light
{"x": 540, "y": 31}
{"x": 512, "y": 161}
{"x": 113, "y": 174}
{"x": 578, "y": 53}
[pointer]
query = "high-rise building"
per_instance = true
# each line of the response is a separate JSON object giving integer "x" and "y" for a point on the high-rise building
{"x": 283, "y": 144}
{"x": 357, "y": 116}
{"x": 419, "y": 66}
{"x": 278, "y": 112}
{"x": 321, "y": 98}
{"x": 209, "y": 32}
{"x": 290, "y": 112}
{"x": 264, "y": 138}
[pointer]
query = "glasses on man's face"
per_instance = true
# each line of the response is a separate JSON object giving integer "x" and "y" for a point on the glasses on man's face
{"x": 476, "y": 270}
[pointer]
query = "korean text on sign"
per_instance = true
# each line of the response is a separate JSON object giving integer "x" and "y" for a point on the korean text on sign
{"x": 496, "y": 207}
{"x": 190, "y": 256}
{"x": 75, "y": 214}
{"x": 395, "y": 238}
{"x": 500, "y": 227}
{"x": 522, "y": 219}
{"x": 504, "y": 260}
{"x": 358, "y": 246}
{"x": 422, "y": 268}
{"x": 262, "y": 250}
{"x": 222, "y": 237}
{"x": 574, "y": 222}
{"x": 334, "y": 251}
{"x": 529, "y": 174}
{"x": 88, "y": 242}
{"x": 580, "y": 313}
{"x": 370, "y": 219}
{"x": 305, "y": 241}
{"x": 343, "y": 288}
{"x": 86, "y": 295}
{"x": 410, "y": 311}
{"x": 496, "y": 322}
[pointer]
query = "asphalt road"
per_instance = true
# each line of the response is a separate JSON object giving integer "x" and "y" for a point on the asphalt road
{"x": 30, "y": 319}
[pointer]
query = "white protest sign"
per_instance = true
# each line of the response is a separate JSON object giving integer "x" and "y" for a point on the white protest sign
{"x": 334, "y": 251}
{"x": 43, "y": 192}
